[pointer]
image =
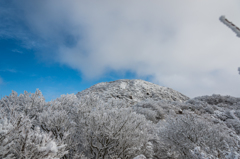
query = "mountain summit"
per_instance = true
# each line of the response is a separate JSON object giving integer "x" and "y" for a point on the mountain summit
{"x": 132, "y": 91}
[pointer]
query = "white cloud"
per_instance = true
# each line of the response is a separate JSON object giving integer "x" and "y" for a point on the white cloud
{"x": 9, "y": 70}
{"x": 182, "y": 44}
{"x": 17, "y": 51}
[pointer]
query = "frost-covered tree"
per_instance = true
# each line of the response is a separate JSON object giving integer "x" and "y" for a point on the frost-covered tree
{"x": 115, "y": 133}
{"x": 19, "y": 136}
{"x": 35, "y": 144}
{"x": 179, "y": 135}
{"x": 19, "y": 140}
{"x": 90, "y": 127}
{"x": 7, "y": 138}
{"x": 30, "y": 104}
{"x": 59, "y": 119}
{"x": 95, "y": 128}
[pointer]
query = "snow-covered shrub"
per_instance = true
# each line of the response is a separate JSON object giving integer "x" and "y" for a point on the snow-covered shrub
{"x": 199, "y": 106}
{"x": 140, "y": 157}
{"x": 78, "y": 156}
{"x": 6, "y": 139}
{"x": 28, "y": 103}
{"x": 115, "y": 132}
{"x": 18, "y": 115}
{"x": 237, "y": 113}
{"x": 197, "y": 153}
{"x": 231, "y": 155}
{"x": 55, "y": 121}
{"x": 223, "y": 115}
{"x": 196, "y": 102}
{"x": 11, "y": 125}
{"x": 209, "y": 109}
{"x": 150, "y": 109}
{"x": 217, "y": 99}
{"x": 90, "y": 127}
{"x": 59, "y": 124}
{"x": 59, "y": 119}
{"x": 181, "y": 134}
{"x": 18, "y": 140}
{"x": 185, "y": 106}
{"x": 233, "y": 121}
{"x": 148, "y": 150}
{"x": 35, "y": 144}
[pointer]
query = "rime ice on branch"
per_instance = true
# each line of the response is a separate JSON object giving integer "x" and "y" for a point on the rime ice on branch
{"x": 234, "y": 28}
{"x": 230, "y": 25}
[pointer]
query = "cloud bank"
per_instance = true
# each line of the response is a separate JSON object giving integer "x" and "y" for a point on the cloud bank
{"x": 181, "y": 44}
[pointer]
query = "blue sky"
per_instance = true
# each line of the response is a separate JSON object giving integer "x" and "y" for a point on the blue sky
{"x": 26, "y": 67}
{"x": 22, "y": 69}
{"x": 62, "y": 46}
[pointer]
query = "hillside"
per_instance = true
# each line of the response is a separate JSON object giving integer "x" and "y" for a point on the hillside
{"x": 123, "y": 119}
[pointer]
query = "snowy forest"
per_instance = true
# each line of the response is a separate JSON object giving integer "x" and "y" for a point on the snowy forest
{"x": 124, "y": 119}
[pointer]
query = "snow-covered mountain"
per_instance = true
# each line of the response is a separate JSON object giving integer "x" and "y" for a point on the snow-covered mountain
{"x": 132, "y": 91}
{"x": 221, "y": 113}
{"x": 123, "y": 119}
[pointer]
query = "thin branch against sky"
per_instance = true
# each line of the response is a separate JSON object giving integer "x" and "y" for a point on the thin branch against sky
{"x": 234, "y": 28}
